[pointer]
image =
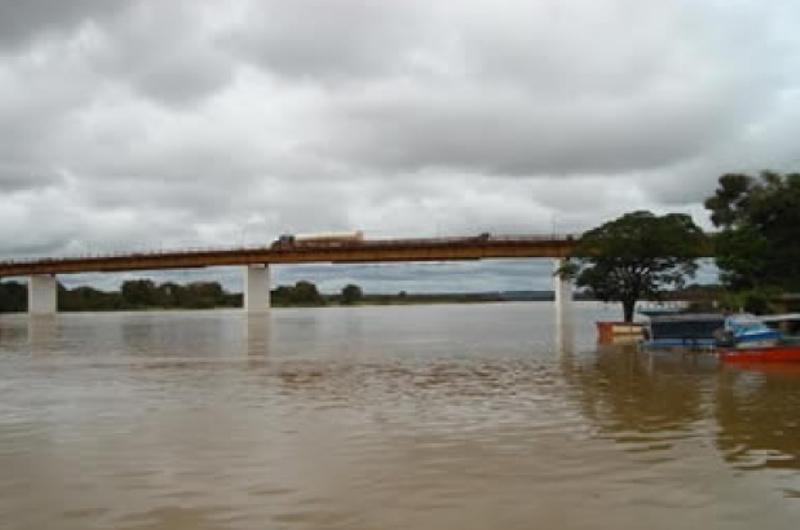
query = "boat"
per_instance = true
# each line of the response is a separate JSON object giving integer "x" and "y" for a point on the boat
{"x": 743, "y": 330}
{"x": 782, "y": 353}
{"x": 683, "y": 331}
{"x": 657, "y": 309}
{"x": 754, "y": 341}
{"x": 619, "y": 332}
{"x": 787, "y": 323}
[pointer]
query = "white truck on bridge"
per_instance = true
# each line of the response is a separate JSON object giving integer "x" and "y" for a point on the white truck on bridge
{"x": 322, "y": 239}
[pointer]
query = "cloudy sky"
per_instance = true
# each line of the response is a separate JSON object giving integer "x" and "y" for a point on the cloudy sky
{"x": 149, "y": 123}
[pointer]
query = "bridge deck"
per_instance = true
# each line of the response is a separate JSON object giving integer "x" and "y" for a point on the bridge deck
{"x": 383, "y": 250}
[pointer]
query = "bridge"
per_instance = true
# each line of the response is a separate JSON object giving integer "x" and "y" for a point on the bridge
{"x": 42, "y": 272}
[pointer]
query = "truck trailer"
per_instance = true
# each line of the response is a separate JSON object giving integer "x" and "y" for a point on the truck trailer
{"x": 322, "y": 239}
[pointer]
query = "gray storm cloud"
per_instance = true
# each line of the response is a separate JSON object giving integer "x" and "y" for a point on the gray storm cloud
{"x": 148, "y": 124}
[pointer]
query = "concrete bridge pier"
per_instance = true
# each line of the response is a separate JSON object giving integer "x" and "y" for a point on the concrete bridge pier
{"x": 256, "y": 288}
{"x": 42, "y": 294}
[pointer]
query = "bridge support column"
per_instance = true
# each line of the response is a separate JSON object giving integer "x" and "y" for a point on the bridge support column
{"x": 563, "y": 294}
{"x": 256, "y": 288}
{"x": 42, "y": 294}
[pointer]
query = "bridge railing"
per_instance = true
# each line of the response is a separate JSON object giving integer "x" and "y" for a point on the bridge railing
{"x": 392, "y": 242}
{"x": 138, "y": 253}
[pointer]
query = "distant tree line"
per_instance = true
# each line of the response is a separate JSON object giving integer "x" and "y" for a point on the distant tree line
{"x": 133, "y": 295}
{"x": 141, "y": 294}
{"x": 302, "y": 293}
{"x": 146, "y": 294}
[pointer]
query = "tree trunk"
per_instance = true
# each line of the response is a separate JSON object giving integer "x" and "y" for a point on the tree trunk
{"x": 627, "y": 309}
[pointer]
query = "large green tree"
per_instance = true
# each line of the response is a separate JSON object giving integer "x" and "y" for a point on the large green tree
{"x": 757, "y": 247}
{"x": 636, "y": 256}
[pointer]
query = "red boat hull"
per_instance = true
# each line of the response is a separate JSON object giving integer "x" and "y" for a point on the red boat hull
{"x": 768, "y": 354}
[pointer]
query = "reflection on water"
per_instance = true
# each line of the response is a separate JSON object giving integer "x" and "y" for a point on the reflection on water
{"x": 758, "y": 419}
{"x": 42, "y": 332}
{"x": 464, "y": 416}
{"x": 256, "y": 335}
{"x": 564, "y": 333}
{"x": 642, "y": 402}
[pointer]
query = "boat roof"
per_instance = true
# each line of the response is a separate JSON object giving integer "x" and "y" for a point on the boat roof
{"x": 689, "y": 317}
{"x": 743, "y": 318}
{"x": 780, "y": 318}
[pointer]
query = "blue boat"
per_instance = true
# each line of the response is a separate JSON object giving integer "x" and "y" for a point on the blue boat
{"x": 747, "y": 331}
{"x": 683, "y": 331}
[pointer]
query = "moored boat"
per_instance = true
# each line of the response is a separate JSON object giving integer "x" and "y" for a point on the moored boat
{"x": 746, "y": 331}
{"x": 619, "y": 332}
{"x": 786, "y": 323}
{"x": 782, "y": 353}
{"x": 683, "y": 331}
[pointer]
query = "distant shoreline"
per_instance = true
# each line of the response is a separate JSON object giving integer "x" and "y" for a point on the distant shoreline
{"x": 144, "y": 295}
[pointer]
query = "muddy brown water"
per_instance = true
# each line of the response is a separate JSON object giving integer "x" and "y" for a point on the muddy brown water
{"x": 425, "y": 417}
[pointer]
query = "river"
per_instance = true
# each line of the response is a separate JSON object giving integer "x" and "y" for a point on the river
{"x": 426, "y": 417}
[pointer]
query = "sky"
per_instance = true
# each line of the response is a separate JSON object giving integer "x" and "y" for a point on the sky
{"x": 144, "y": 124}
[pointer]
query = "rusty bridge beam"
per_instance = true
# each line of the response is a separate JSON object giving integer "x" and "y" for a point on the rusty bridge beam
{"x": 370, "y": 251}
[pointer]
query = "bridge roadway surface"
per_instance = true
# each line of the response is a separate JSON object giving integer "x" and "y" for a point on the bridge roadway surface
{"x": 366, "y": 251}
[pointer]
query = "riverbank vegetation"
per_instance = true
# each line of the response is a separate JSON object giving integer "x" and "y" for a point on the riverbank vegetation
{"x": 145, "y": 294}
{"x": 132, "y": 295}
{"x": 756, "y": 249}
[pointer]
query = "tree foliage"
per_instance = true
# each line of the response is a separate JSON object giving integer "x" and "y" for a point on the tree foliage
{"x": 133, "y": 294}
{"x": 196, "y": 295}
{"x": 351, "y": 294}
{"x": 758, "y": 247}
{"x": 139, "y": 293}
{"x": 87, "y": 298}
{"x": 13, "y": 296}
{"x": 636, "y": 256}
{"x": 302, "y": 293}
